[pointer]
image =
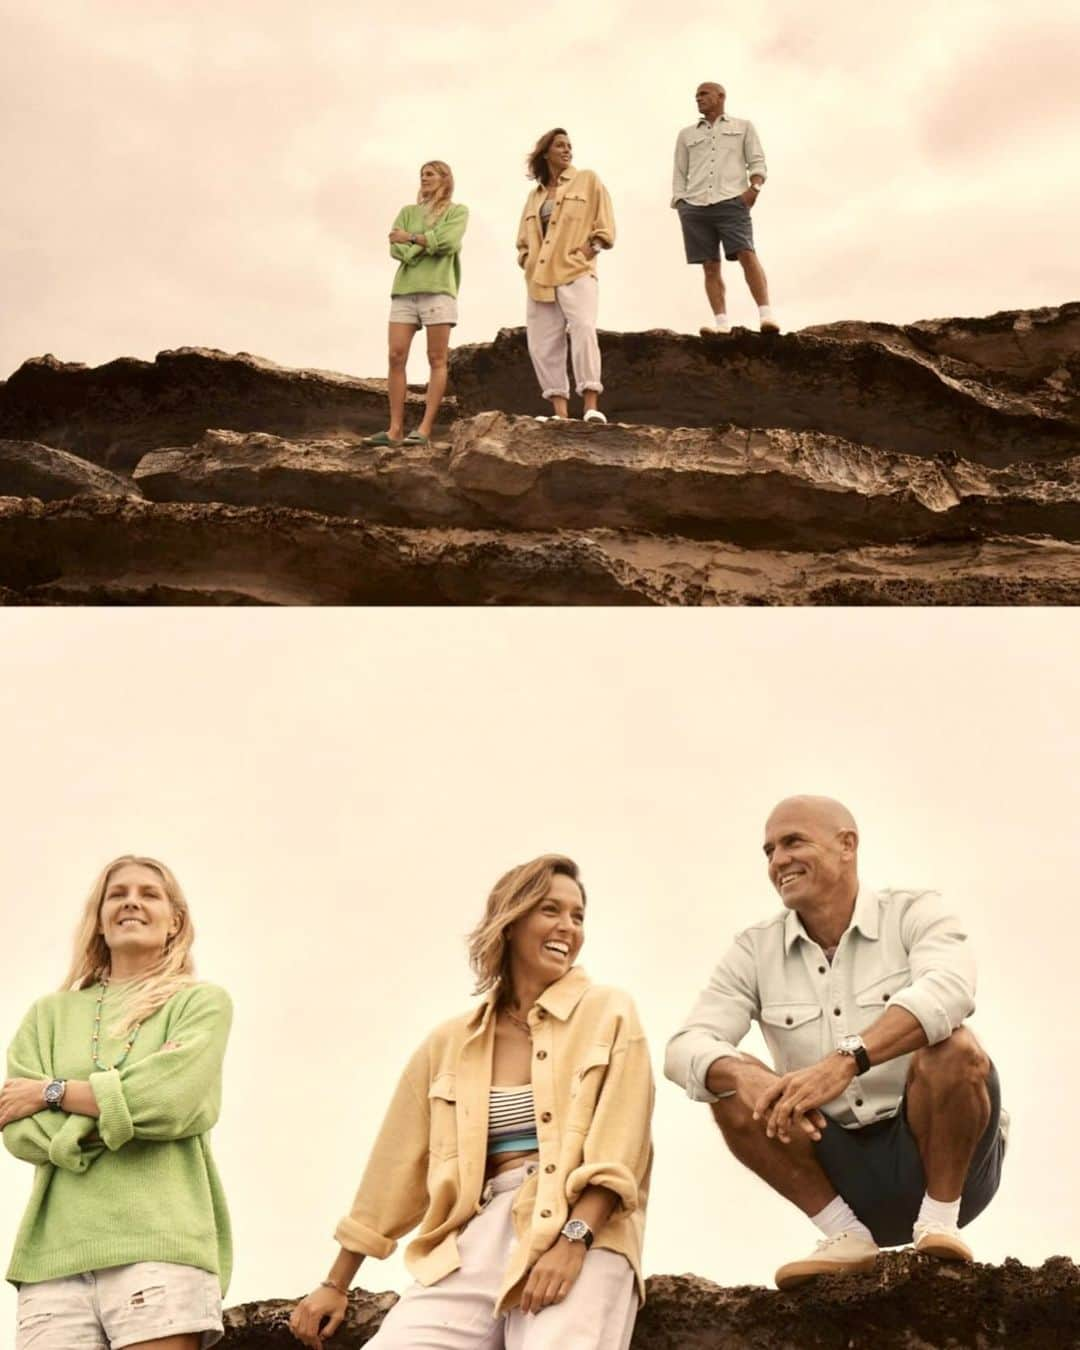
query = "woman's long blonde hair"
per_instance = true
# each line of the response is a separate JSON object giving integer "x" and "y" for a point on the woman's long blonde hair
{"x": 172, "y": 971}
{"x": 513, "y": 895}
{"x": 437, "y": 203}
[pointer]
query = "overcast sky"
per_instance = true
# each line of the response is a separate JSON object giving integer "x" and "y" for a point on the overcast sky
{"x": 337, "y": 791}
{"x": 223, "y": 172}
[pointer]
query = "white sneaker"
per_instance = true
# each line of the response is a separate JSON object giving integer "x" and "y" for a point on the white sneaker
{"x": 594, "y": 415}
{"x": 550, "y": 417}
{"x": 769, "y": 327}
{"x": 843, "y": 1254}
{"x": 708, "y": 330}
{"x": 941, "y": 1240}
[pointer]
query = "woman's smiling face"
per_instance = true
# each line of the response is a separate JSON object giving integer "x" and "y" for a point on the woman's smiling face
{"x": 136, "y": 916}
{"x": 545, "y": 942}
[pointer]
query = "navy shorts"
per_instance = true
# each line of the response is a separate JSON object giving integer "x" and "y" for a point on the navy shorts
{"x": 705, "y": 228}
{"x": 878, "y": 1171}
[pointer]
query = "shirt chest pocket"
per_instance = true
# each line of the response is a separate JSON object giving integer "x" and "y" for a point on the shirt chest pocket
{"x": 442, "y": 1105}
{"x": 573, "y": 207}
{"x": 794, "y": 1030}
{"x": 585, "y": 1086}
{"x": 875, "y": 996}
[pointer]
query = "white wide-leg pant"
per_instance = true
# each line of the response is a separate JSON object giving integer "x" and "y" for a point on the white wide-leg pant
{"x": 547, "y": 323}
{"x": 456, "y": 1313}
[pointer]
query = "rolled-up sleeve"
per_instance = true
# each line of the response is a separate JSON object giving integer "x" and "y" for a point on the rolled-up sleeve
{"x": 175, "y": 1092}
{"x": 718, "y": 1021}
{"x": 448, "y": 232}
{"x": 602, "y": 231}
{"x": 392, "y": 1196}
{"x": 682, "y": 166}
{"x": 66, "y": 1140}
{"x": 617, "y": 1151}
{"x": 942, "y": 989}
{"x": 754, "y": 154}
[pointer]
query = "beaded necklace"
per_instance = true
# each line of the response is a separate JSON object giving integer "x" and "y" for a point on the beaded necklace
{"x": 96, "y": 1037}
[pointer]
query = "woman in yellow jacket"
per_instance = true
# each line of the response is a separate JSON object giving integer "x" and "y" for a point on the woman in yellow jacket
{"x": 518, "y": 1144}
{"x": 567, "y": 220}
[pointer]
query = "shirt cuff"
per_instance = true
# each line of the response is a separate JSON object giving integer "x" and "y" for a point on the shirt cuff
{"x": 615, "y": 1177}
{"x": 65, "y": 1148}
{"x": 114, "y": 1121}
{"x": 357, "y": 1237}
{"x": 927, "y": 1011}
{"x": 699, "y": 1069}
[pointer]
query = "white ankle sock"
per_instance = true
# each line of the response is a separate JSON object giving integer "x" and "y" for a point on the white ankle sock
{"x": 946, "y": 1212}
{"x": 721, "y": 321}
{"x": 838, "y": 1217}
{"x": 765, "y": 312}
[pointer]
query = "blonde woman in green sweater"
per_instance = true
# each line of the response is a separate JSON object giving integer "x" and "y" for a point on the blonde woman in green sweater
{"x": 112, "y": 1087}
{"x": 426, "y": 242}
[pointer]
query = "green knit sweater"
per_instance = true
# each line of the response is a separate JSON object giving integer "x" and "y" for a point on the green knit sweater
{"x": 434, "y": 268}
{"x": 138, "y": 1183}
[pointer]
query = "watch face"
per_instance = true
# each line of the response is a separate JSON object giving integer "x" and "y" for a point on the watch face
{"x": 576, "y": 1229}
{"x": 53, "y": 1092}
{"x": 849, "y": 1044}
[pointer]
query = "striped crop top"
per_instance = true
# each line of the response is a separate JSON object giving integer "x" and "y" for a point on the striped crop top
{"x": 512, "y": 1120}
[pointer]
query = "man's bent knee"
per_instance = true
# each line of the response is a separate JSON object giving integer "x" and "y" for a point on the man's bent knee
{"x": 712, "y": 267}
{"x": 957, "y": 1056}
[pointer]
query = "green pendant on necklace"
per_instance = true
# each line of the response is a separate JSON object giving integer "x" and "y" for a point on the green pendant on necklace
{"x": 95, "y": 1039}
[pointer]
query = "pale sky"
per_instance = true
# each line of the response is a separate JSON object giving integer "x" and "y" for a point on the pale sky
{"x": 338, "y": 790}
{"x": 223, "y": 173}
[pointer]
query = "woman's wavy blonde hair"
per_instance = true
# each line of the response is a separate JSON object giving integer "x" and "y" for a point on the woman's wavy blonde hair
{"x": 172, "y": 971}
{"x": 437, "y": 203}
{"x": 513, "y": 895}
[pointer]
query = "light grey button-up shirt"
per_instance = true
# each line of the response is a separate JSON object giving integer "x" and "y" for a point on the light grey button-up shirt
{"x": 902, "y": 949}
{"x": 714, "y": 163}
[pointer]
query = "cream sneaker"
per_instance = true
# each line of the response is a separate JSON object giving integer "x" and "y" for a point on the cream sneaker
{"x": 840, "y": 1255}
{"x": 941, "y": 1240}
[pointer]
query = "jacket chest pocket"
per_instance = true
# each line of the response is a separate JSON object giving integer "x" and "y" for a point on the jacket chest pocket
{"x": 795, "y": 1030}
{"x": 873, "y": 998}
{"x": 573, "y": 207}
{"x": 585, "y": 1086}
{"x": 442, "y": 1106}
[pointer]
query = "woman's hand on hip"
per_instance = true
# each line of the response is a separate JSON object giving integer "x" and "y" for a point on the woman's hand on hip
{"x": 21, "y": 1097}
{"x": 322, "y": 1306}
{"x": 553, "y": 1276}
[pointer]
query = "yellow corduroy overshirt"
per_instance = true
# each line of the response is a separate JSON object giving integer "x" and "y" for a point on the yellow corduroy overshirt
{"x": 582, "y": 212}
{"x": 593, "y": 1088}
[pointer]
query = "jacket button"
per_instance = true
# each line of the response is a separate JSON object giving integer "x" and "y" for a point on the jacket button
{"x": 541, "y": 1013}
{"x": 884, "y": 998}
{"x": 836, "y": 1012}
{"x": 550, "y": 1168}
{"x": 545, "y": 1213}
{"x": 545, "y": 1117}
{"x": 787, "y": 1021}
{"x": 821, "y": 970}
{"x": 541, "y": 1054}
{"x": 858, "y": 1101}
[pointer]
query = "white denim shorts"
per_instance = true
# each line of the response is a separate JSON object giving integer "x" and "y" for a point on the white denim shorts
{"x": 122, "y": 1305}
{"x": 423, "y": 309}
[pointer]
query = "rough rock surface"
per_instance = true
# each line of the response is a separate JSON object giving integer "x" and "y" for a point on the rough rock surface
{"x": 875, "y": 385}
{"x": 908, "y": 1303}
{"x": 31, "y": 470}
{"x": 758, "y": 488}
{"x": 113, "y": 414}
{"x": 108, "y": 551}
{"x": 854, "y": 463}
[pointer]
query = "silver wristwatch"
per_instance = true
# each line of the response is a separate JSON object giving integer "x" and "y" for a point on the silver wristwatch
{"x": 577, "y": 1230}
{"x": 853, "y": 1046}
{"x": 52, "y": 1094}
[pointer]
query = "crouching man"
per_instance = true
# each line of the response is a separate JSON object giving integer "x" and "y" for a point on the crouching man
{"x": 882, "y": 1120}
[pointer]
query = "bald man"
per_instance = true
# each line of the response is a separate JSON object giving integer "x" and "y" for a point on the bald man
{"x": 881, "y": 1118}
{"x": 719, "y": 174}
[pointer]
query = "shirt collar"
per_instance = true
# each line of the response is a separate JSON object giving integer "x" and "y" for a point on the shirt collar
{"x": 704, "y": 121}
{"x": 559, "y": 999}
{"x": 864, "y": 917}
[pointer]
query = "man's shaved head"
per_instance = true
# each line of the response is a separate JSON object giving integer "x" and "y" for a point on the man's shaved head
{"x": 824, "y": 811}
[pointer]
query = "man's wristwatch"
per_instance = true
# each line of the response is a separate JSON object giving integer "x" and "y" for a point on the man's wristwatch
{"x": 853, "y": 1046}
{"x": 52, "y": 1094}
{"x": 577, "y": 1230}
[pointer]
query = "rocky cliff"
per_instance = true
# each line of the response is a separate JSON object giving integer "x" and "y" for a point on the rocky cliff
{"x": 852, "y": 463}
{"x": 909, "y": 1303}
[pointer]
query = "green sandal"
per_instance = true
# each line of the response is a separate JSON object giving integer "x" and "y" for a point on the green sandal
{"x": 416, "y": 438}
{"x": 381, "y": 438}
